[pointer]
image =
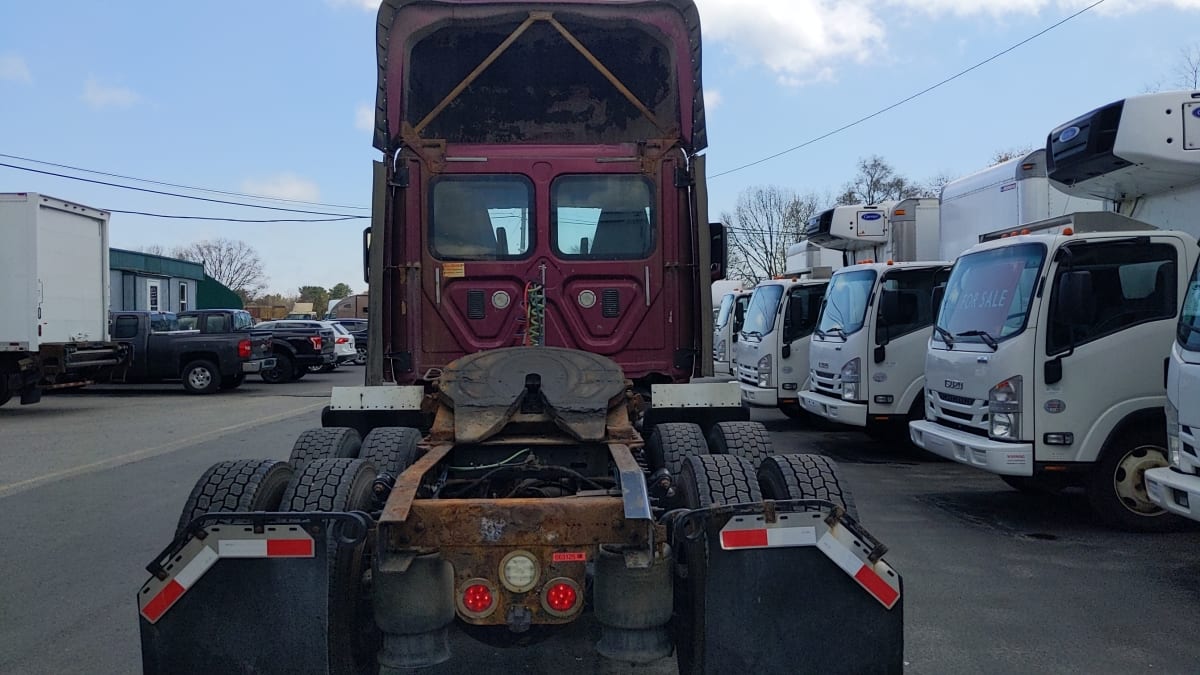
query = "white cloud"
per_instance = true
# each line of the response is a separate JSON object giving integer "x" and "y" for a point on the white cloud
{"x": 14, "y": 68}
{"x": 364, "y": 117}
{"x": 283, "y": 186}
{"x": 98, "y": 95}
{"x": 804, "y": 41}
{"x": 712, "y": 99}
{"x": 369, "y": 5}
{"x": 799, "y": 40}
{"x": 996, "y": 8}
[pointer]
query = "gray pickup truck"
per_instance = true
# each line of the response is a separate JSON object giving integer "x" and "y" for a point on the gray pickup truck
{"x": 205, "y": 362}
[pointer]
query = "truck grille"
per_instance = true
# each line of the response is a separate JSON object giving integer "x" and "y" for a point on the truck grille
{"x": 827, "y": 383}
{"x": 747, "y": 374}
{"x": 958, "y": 412}
{"x": 610, "y": 303}
{"x": 475, "y": 309}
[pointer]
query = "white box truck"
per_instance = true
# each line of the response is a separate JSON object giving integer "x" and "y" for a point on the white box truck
{"x": 867, "y": 347}
{"x": 1048, "y": 361}
{"x": 54, "y": 299}
{"x": 729, "y": 306}
{"x": 1005, "y": 195}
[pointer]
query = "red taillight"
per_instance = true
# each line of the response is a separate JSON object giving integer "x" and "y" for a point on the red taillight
{"x": 477, "y": 598}
{"x": 316, "y": 341}
{"x": 244, "y": 349}
{"x": 343, "y": 340}
{"x": 562, "y": 597}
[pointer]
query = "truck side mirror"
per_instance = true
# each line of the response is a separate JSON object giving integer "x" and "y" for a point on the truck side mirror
{"x": 939, "y": 296}
{"x": 501, "y": 241}
{"x": 367, "y": 255}
{"x": 718, "y": 251}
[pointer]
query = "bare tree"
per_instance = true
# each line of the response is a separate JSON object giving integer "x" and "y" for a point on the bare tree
{"x": 233, "y": 263}
{"x": 1187, "y": 70}
{"x": 877, "y": 181}
{"x": 933, "y": 186}
{"x": 765, "y": 222}
{"x": 1004, "y": 155}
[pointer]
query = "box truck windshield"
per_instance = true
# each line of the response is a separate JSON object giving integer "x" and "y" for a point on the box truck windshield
{"x": 760, "y": 315}
{"x": 1189, "y": 318}
{"x": 846, "y": 303}
{"x": 989, "y": 294}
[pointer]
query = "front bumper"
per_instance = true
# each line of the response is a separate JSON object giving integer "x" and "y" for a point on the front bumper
{"x": 1176, "y": 492}
{"x": 258, "y": 366}
{"x": 1006, "y": 459}
{"x": 835, "y": 409}
{"x": 759, "y": 397}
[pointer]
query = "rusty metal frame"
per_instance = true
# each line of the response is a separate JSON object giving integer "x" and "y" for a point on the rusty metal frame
{"x": 400, "y": 501}
{"x": 496, "y": 53}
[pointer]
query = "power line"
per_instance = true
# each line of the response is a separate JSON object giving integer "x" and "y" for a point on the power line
{"x": 176, "y": 194}
{"x": 177, "y": 185}
{"x": 239, "y": 220}
{"x": 924, "y": 91}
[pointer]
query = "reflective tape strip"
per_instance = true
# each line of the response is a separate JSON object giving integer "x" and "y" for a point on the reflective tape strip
{"x": 195, "y": 569}
{"x": 184, "y": 579}
{"x": 266, "y": 548}
{"x": 243, "y": 548}
{"x": 768, "y": 537}
{"x": 858, "y": 570}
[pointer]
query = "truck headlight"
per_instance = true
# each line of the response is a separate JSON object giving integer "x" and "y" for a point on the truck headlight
{"x": 851, "y": 373}
{"x": 1004, "y": 408}
{"x": 764, "y": 372}
{"x": 1173, "y": 444}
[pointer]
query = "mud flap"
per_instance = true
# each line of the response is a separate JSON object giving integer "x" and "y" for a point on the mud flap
{"x": 787, "y": 596}
{"x": 247, "y": 597}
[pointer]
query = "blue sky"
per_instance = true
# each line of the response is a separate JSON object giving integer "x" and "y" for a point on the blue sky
{"x": 269, "y": 97}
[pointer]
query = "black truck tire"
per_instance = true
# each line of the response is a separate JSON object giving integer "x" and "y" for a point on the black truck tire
{"x": 390, "y": 449}
{"x": 1116, "y": 485}
{"x": 805, "y": 477}
{"x": 201, "y": 377}
{"x": 325, "y": 443}
{"x": 281, "y": 371}
{"x": 713, "y": 480}
{"x": 341, "y": 485}
{"x": 238, "y": 485}
{"x": 5, "y": 392}
{"x": 233, "y": 381}
{"x": 706, "y": 480}
{"x": 748, "y": 440}
{"x": 671, "y": 443}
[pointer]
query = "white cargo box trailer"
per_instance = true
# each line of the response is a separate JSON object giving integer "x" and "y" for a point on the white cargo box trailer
{"x": 55, "y": 297}
{"x": 1007, "y": 195}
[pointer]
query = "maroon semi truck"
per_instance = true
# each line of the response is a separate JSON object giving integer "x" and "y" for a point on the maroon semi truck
{"x": 530, "y": 449}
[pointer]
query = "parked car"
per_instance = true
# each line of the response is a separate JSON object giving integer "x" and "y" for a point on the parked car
{"x": 298, "y": 344}
{"x": 343, "y": 348}
{"x": 227, "y": 321}
{"x": 161, "y": 351}
{"x": 357, "y": 328}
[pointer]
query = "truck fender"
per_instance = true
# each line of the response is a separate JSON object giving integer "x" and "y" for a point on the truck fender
{"x": 1138, "y": 414}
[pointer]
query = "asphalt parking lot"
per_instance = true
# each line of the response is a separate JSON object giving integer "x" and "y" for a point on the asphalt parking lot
{"x": 995, "y": 581}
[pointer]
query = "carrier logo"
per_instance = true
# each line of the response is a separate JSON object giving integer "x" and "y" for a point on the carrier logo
{"x": 1068, "y": 134}
{"x": 954, "y": 384}
{"x": 1196, "y": 112}
{"x": 872, "y": 216}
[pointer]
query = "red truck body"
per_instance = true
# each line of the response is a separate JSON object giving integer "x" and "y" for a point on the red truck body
{"x": 526, "y": 204}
